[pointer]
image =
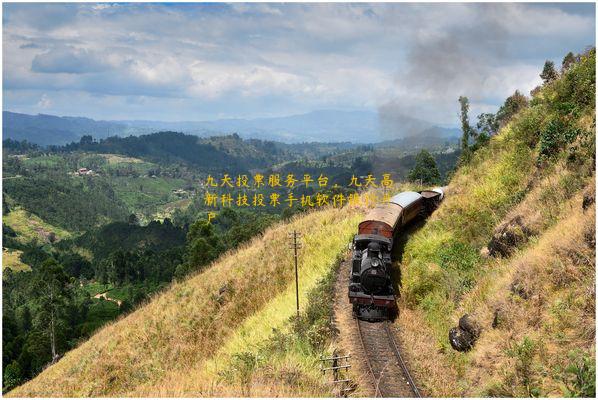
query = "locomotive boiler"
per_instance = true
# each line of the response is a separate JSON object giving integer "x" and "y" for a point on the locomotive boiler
{"x": 371, "y": 290}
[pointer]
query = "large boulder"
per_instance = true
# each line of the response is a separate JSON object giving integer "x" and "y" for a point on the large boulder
{"x": 463, "y": 337}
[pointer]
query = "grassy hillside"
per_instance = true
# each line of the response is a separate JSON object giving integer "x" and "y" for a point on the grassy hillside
{"x": 28, "y": 226}
{"x": 11, "y": 258}
{"x": 513, "y": 246}
{"x": 197, "y": 336}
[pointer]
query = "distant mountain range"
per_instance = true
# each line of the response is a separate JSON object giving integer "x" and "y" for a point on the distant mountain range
{"x": 316, "y": 126}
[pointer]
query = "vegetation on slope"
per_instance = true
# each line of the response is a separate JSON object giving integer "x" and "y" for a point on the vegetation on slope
{"x": 62, "y": 202}
{"x": 167, "y": 345}
{"x": 29, "y": 227}
{"x": 513, "y": 247}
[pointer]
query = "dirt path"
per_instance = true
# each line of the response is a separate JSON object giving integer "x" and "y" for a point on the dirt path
{"x": 105, "y": 297}
{"x": 350, "y": 342}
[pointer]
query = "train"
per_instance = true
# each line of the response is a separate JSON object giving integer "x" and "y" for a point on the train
{"x": 371, "y": 290}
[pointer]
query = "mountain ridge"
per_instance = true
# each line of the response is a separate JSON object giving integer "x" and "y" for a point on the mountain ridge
{"x": 314, "y": 126}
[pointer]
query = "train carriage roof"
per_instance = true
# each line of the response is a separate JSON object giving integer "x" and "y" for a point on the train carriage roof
{"x": 386, "y": 213}
{"x": 405, "y": 199}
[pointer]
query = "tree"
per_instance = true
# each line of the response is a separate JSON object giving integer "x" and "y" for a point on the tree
{"x": 52, "y": 237}
{"x": 465, "y": 127}
{"x": 513, "y": 104}
{"x": 361, "y": 166}
{"x": 425, "y": 169}
{"x": 52, "y": 292}
{"x": 133, "y": 220}
{"x": 568, "y": 61}
{"x": 12, "y": 377}
{"x": 86, "y": 139}
{"x": 487, "y": 125}
{"x": 203, "y": 246}
{"x": 549, "y": 73}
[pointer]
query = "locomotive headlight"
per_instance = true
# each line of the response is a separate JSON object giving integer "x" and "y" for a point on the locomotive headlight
{"x": 375, "y": 262}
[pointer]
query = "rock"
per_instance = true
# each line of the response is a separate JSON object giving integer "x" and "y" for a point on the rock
{"x": 589, "y": 198}
{"x": 460, "y": 340}
{"x": 484, "y": 252}
{"x": 464, "y": 336}
{"x": 508, "y": 236}
{"x": 590, "y": 237}
{"x": 468, "y": 324}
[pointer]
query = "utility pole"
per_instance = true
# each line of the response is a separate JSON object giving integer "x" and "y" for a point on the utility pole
{"x": 296, "y": 245}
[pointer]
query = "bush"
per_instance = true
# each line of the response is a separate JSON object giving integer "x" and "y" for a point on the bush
{"x": 580, "y": 376}
{"x": 555, "y": 137}
{"x": 524, "y": 353}
{"x": 315, "y": 325}
{"x": 12, "y": 376}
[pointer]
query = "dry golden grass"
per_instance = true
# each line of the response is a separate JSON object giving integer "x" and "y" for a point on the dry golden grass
{"x": 179, "y": 342}
{"x": 11, "y": 259}
{"x": 544, "y": 292}
{"x": 553, "y": 306}
{"x": 536, "y": 305}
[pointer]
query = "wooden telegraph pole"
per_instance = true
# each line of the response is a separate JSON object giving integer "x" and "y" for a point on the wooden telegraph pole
{"x": 296, "y": 245}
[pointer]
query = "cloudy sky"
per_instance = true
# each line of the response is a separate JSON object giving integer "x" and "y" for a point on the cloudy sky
{"x": 206, "y": 61}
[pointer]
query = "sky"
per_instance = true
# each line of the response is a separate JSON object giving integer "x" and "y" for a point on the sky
{"x": 192, "y": 62}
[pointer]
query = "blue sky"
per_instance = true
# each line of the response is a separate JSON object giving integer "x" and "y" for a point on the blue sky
{"x": 207, "y": 61}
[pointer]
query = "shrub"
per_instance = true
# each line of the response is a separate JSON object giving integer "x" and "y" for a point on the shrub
{"x": 580, "y": 376}
{"x": 524, "y": 353}
{"x": 555, "y": 137}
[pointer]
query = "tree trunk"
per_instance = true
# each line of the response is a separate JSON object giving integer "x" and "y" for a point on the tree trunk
{"x": 52, "y": 331}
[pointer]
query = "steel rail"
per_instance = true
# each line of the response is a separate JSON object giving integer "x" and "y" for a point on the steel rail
{"x": 397, "y": 352}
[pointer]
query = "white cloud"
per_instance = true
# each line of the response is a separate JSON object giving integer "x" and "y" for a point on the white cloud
{"x": 268, "y": 58}
{"x": 44, "y": 102}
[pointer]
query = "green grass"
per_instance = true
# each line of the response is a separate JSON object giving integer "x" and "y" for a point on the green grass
{"x": 145, "y": 195}
{"x": 48, "y": 161}
{"x": 30, "y": 227}
{"x": 94, "y": 288}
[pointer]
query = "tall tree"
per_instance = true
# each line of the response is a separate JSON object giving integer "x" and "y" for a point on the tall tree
{"x": 203, "y": 246}
{"x": 465, "y": 127}
{"x": 513, "y": 104}
{"x": 425, "y": 169}
{"x": 549, "y": 73}
{"x": 568, "y": 61}
{"x": 51, "y": 286}
{"x": 487, "y": 125}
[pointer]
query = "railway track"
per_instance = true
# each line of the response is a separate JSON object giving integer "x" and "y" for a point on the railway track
{"x": 390, "y": 376}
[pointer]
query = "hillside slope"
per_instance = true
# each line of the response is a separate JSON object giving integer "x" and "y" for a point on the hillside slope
{"x": 188, "y": 340}
{"x": 513, "y": 246}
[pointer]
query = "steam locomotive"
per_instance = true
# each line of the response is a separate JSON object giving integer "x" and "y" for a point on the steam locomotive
{"x": 370, "y": 289}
